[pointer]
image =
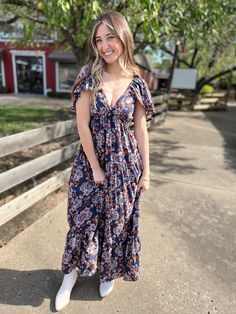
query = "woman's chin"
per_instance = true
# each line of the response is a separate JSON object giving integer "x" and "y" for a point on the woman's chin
{"x": 110, "y": 60}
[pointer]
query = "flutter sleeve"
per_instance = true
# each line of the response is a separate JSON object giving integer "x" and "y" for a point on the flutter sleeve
{"x": 143, "y": 96}
{"x": 85, "y": 83}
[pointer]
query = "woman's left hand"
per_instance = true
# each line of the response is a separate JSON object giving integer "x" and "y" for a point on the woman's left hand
{"x": 143, "y": 185}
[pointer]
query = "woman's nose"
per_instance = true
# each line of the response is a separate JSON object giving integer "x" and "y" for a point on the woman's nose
{"x": 105, "y": 46}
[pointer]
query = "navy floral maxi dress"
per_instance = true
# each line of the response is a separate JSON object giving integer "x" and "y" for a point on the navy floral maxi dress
{"x": 104, "y": 219}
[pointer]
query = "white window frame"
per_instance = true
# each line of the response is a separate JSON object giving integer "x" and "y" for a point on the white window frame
{"x": 58, "y": 90}
{"x": 27, "y": 53}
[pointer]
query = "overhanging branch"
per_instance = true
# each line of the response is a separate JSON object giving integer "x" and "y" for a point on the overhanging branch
{"x": 203, "y": 82}
{"x": 29, "y": 4}
{"x": 9, "y": 21}
{"x": 35, "y": 19}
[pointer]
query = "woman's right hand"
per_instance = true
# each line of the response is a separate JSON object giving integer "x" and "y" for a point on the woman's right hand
{"x": 98, "y": 175}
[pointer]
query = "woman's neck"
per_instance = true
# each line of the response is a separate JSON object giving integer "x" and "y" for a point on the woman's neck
{"x": 113, "y": 69}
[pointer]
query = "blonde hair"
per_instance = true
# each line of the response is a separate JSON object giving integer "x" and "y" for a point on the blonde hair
{"x": 95, "y": 65}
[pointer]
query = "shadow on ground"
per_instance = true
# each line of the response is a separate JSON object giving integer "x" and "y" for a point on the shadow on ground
{"x": 31, "y": 287}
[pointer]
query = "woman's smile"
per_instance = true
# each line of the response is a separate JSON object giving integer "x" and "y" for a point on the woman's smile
{"x": 109, "y": 53}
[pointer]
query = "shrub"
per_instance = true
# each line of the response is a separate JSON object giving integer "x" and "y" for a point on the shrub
{"x": 59, "y": 95}
{"x": 3, "y": 89}
{"x": 207, "y": 89}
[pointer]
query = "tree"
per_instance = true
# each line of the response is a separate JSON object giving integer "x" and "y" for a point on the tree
{"x": 207, "y": 36}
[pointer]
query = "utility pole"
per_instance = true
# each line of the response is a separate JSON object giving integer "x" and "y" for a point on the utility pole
{"x": 177, "y": 43}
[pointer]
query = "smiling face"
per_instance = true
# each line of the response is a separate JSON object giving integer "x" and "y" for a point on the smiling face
{"x": 108, "y": 45}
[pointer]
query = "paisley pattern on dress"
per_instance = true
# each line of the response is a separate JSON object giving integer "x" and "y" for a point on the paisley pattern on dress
{"x": 103, "y": 220}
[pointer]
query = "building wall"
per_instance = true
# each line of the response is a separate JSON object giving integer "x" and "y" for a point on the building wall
{"x": 8, "y": 69}
{"x": 8, "y": 65}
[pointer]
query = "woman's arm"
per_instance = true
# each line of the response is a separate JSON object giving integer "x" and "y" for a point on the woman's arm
{"x": 141, "y": 135}
{"x": 82, "y": 121}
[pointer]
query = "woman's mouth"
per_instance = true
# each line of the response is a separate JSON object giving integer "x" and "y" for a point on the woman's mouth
{"x": 107, "y": 54}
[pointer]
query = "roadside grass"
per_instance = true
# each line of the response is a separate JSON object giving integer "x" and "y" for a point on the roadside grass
{"x": 15, "y": 119}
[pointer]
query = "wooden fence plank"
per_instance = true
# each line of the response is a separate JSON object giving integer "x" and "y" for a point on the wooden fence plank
{"x": 17, "y": 142}
{"x": 160, "y": 108}
{"x": 34, "y": 167}
{"x": 29, "y": 198}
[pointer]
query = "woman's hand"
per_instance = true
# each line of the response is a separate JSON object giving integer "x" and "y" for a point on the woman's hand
{"x": 143, "y": 185}
{"x": 99, "y": 175}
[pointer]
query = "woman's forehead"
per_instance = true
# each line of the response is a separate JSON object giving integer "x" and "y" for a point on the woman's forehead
{"x": 103, "y": 30}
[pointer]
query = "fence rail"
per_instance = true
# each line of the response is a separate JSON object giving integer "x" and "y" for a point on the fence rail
{"x": 30, "y": 169}
{"x": 23, "y": 140}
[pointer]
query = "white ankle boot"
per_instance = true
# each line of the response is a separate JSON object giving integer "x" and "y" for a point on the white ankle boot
{"x": 106, "y": 288}
{"x": 63, "y": 294}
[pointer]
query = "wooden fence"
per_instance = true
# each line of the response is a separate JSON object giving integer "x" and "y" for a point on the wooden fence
{"x": 188, "y": 101}
{"x": 214, "y": 101}
{"x": 24, "y": 140}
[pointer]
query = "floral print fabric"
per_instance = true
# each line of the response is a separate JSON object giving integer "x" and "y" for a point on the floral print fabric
{"x": 104, "y": 219}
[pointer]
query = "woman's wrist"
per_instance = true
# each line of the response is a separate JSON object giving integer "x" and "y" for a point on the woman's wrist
{"x": 145, "y": 174}
{"x": 95, "y": 166}
{"x": 145, "y": 178}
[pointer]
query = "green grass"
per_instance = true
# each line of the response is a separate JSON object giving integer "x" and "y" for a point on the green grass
{"x": 15, "y": 119}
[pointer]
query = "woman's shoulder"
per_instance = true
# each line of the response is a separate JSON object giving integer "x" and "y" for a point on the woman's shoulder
{"x": 84, "y": 78}
{"x": 142, "y": 94}
{"x": 139, "y": 83}
{"x": 83, "y": 72}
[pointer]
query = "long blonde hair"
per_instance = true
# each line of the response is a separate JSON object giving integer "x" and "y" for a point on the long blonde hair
{"x": 117, "y": 24}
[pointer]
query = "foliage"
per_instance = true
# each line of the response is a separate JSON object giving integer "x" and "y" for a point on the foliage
{"x": 3, "y": 89}
{"x": 72, "y": 20}
{"x": 59, "y": 95}
{"x": 207, "y": 36}
{"x": 207, "y": 89}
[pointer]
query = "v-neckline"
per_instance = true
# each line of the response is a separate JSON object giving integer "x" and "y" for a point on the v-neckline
{"x": 118, "y": 99}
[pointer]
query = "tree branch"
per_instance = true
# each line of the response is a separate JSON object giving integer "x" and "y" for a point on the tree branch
{"x": 201, "y": 82}
{"x": 29, "y": 4}
{"x": 35, "y": 19}
{"x": 121, "y": 6}
{"x": 16, "y": 17}
{"x": 172, "y": 54}
{"x": 196, "y": 49}
{"x": 9, "y": 21}
{"x": 136, "y": 29}
{"x": 213, "y": 58}
{"x": 141, "y": 45}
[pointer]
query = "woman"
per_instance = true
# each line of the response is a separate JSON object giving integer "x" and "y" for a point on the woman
{"x": 111, "y": 168}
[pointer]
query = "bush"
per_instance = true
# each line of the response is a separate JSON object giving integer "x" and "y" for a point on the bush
{"x": 3, "y": 89}
{"x": 207, "y": 89}
{"x": 59, "y": 95}
{"x": 223, "y": 83}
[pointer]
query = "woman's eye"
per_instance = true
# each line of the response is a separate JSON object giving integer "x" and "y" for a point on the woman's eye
{"x": 110, "y": 37}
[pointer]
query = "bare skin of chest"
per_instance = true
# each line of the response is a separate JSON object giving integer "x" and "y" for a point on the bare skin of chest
{"x": 113, "y": 90}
